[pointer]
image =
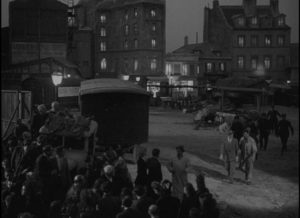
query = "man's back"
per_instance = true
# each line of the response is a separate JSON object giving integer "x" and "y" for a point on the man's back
{"x": 154, "y": 170}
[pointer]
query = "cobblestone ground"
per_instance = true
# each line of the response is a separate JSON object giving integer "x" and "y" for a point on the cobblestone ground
{"x": 275, "y": 189}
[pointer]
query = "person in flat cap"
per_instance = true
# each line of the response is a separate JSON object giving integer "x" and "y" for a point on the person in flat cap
{"x": 178, "y": 168}
{"x": 229, "y": 152}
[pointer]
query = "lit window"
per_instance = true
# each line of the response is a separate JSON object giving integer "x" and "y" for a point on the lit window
{"x": 241, "y": 41}
{"x": 254, "y": 40}
{"x": 136, "y": 64}
{"x": 185, "y": 69}
{"x": 102, "y": 46}
{"x": 153, "y": 64}
{"x": 168, "y": 69}
{"x": 267, "y": 62}
{"x": 222, "y": 67}
{"x": 102, "y": 18}
{"x": 254, "y": 20}
{"x": 280, "y": 40}
{"x": 153, "y": 27}
{"x": 126, "y": 30}
{"x": 280, "y": 21}
{"x": 241, "y": 63}
{"x": 153, "y": 13}
{"x": 254, "y": 63}
{"x": 103, "y": 64}
{"x": 135, "y": 12}
{"x": 103, "y": 31}
{"x": 136, "y": 43}
{"x": 268, "y": 40}
{"x": 153, "y": 43}
{"x": 126, "y": 44}
{"x": 208, "y": 67}
{"x": 241, "y": 21}
{"x": 135, "y": 28}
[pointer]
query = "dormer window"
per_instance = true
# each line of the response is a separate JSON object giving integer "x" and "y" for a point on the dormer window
{"x": 241, "y": 21}
{"x": 254, "y": 20}
{"x": 280, "y": 21}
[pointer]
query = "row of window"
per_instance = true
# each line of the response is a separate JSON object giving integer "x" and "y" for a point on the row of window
{"x": 126, "y": 30}
{"x": 241, "y": 41}
{"x": 209, "y": 67}
{"x": 254, "y": 21}
{"x": 153, "y": 64}
{"x": 152, "y": 12}
{"x": 126, "y": 44}
{"x": 254, "y": 60}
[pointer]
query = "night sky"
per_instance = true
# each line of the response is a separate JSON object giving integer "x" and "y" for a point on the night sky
{"x": 185, "y": 17}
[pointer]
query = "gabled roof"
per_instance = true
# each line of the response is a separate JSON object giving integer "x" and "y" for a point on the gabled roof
{"x": 202, "y": 50}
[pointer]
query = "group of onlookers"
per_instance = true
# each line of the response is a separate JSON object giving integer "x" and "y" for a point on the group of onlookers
{"x": 39, "y": 181}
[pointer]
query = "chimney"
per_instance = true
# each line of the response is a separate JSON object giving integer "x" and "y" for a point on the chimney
{"x": 196, "y": 37}
{"x": 215, "y": 3}
{"x": 186, "y": 40}
{"x": 274, "y": 7}
{"x": 249, "y": 7}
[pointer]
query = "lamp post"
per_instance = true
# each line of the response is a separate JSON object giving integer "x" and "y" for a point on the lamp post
{"x": 56, "y": 79}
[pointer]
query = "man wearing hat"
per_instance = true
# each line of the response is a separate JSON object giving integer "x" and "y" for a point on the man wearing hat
{"x": 283, "y": 132}
{"x": 229, "y": 151}
{"x": 178, "y": 167}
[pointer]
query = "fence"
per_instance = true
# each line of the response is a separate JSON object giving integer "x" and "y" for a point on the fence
{"x": 14, "y": 105}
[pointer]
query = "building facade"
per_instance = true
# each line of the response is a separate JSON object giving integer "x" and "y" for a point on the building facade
{"x": 129, "y": 38}
{"x": 256, "y": 36}
{"x": 195, "y": 65}
{"x": 37, "y": 30}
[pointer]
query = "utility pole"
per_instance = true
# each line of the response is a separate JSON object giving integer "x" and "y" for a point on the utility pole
{"x": 39, "y": 36}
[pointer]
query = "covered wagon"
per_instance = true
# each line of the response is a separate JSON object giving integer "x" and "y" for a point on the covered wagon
{"x": 120, "y": 107}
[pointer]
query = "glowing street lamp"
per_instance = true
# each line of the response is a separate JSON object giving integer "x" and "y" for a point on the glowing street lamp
{"x": 138, "y": 79}
{"x": 57, "y": 78}
{"x": 126, "y": 77}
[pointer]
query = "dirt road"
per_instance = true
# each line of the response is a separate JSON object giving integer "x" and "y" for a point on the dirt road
{"x": 275, "y": 188}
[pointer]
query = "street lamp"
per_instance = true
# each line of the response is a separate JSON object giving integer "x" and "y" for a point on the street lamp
{"x": 57, "y": 78}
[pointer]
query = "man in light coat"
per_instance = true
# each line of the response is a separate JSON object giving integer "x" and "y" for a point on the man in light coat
{"x": 249, "y": 148}
{"x": 229, "y": 151}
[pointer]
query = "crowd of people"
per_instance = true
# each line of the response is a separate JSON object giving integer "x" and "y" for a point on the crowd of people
{"x": 243, "y": 139}
{"x": 38, "y": 181}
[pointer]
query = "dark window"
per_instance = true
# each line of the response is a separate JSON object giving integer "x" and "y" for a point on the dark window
{"x": 281, "y": 41}
{"x": 208, "y": 67}
{"x": 222, "y": 67}
{"x": 254, "y": 60}
{"x": 135, "y": 28}
{"x": 126, "y": 30}
{"x": 280, "y": 61}
{"x": 254, "y": 41}
{"x": 135, "y": 11}
{"x": 267, "y": 62}
{"x": 241, "y": 62}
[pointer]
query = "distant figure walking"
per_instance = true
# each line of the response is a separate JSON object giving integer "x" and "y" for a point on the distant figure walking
{"x": 178, "y": 167}
{"x": 264, "y": 127}
{"x": 229, "y": 151}
{"x": 283, "y": 132}
{"x": 273, "y": 117}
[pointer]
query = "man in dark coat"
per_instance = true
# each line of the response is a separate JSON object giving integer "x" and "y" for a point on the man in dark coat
{"x": 128, "y": 211}
{"x": 109, "y": 176}
{"x": 154, "y": 167}
{"x": 273, "y": 117}
{"x": 19, "y": 129}
{"x": 143, "y": 201}
{"x": 264, "y": 127}
{"x": 283, "y": 132}
{"x": 108, "y": 206}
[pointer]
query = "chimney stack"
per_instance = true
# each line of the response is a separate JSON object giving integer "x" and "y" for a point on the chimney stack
{"x": 186, "y": 40}
{"x": 274, "y": 4}
{"x": 249, "y": 7}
